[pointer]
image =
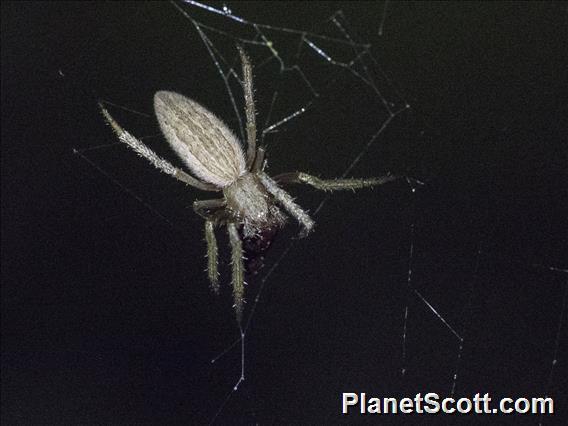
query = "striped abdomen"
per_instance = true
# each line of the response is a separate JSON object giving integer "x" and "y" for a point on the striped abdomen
{"x": 205, "y": 144}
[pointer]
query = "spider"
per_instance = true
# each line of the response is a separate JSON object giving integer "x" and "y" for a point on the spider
{"x": 251, "y": 202}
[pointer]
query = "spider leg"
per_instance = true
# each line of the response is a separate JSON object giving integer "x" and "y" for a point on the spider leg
{"x": 158, "y": 162}
{"x": 212, "y": 256}
{"x": 249, "y": 107}
{"x": 258, "y": 160}
{"x": 332, "y": 184}
{"x": 212, "y": 211}
{"x": 288, "y": 203}
{"x": 238, "y": 274}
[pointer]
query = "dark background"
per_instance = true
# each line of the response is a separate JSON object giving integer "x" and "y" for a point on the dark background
{"x": 106, "y": 313}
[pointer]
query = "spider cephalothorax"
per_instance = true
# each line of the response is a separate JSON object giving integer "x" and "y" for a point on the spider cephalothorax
{"x": 250, "y": 203}
{"x": 213, "y": 154}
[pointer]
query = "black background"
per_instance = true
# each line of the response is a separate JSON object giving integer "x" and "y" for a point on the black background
{"x": 106, "y": 313}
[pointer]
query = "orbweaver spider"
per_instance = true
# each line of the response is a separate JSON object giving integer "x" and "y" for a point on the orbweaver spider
{"x": 214, "y": 155}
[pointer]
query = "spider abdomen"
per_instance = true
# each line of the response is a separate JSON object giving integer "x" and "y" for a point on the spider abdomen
{"x": 204, "y": 143}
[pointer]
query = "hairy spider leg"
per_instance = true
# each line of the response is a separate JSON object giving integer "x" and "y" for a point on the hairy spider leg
{"x": 158, "y": 162}
{"x": 212, "y": 256}
{"x": 214, "y": 213}
{"x": 325, "y": 185}
{"x": 249, "y": 107}
{"x": 238, "y": 270}
{"x": 258, "y": 164}
{"x": 288, "y": 203}
{"x": 333, "y": 184}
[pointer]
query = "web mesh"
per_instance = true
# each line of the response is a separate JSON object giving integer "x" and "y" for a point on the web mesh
{"x": 400, "y": 290}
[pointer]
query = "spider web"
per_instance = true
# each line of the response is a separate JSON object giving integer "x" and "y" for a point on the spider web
{"x": 400, "y": 290}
